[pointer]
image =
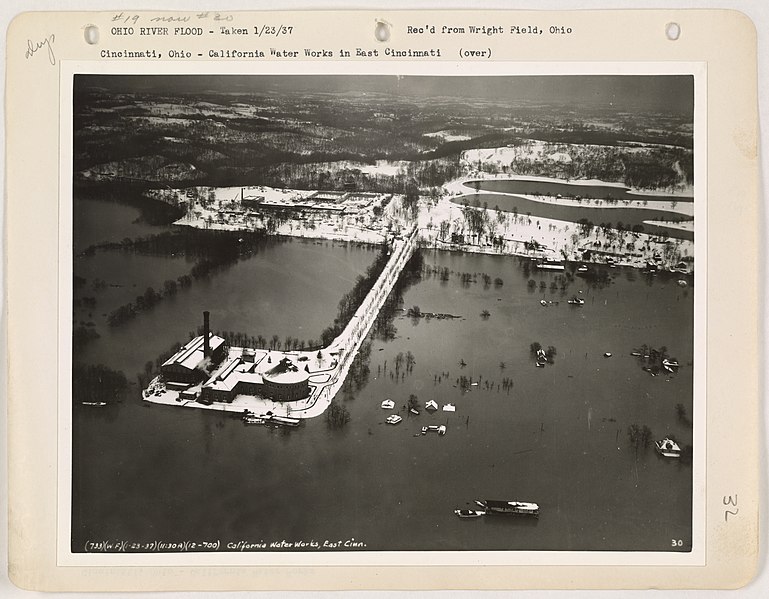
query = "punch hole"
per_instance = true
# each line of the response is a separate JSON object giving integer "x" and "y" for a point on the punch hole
{"x": 91, "y": 34}
{"x": 673, "y": 31}
{"x": 382, "y": 31}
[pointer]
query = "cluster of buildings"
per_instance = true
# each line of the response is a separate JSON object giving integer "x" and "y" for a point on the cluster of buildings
{"x": 339, "y": 202}
{"x": 205, "y": 370}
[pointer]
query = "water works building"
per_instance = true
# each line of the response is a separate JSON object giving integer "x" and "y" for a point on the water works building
{"x": 207, "y": 370}
{"x": 191, "y": 364}
{"x": 286, "y": 380}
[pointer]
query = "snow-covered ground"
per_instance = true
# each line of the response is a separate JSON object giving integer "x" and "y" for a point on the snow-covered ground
{"x": 448, "y": 136}
{"x": 559, "y": 238}
{"x": 460, "y": 187}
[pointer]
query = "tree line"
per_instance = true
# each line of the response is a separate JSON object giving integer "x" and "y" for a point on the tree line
{"x": 97, "y": 383}
{"x": 215, "y": 250}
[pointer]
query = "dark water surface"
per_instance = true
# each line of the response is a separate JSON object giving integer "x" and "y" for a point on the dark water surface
{"x": 629, "y": 217}
{"x": 144, "y": 472}
{"x": 534, "y": 187}
{"x": 97, "y": 221}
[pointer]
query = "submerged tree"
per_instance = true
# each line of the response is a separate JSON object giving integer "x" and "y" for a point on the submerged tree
{"x": 337, "y": 415}
{"x": 550, "y": 354}
{"x": 640, "y": 436}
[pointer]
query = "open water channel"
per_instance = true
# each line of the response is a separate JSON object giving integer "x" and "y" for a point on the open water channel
{"x": 487, "y": 191}
{"x": 557, "y": 435}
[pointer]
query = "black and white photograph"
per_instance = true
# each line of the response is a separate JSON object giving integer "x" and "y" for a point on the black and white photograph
{"x": 318, "y": 313}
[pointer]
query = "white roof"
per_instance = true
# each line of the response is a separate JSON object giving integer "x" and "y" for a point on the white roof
{"x": 190, "y": 355}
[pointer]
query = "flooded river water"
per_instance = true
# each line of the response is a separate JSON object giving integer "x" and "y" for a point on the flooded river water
{"x": 555, "y": 435}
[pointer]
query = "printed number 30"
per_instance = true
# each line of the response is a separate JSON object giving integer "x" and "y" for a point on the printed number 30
{"x": 676, "y": 543}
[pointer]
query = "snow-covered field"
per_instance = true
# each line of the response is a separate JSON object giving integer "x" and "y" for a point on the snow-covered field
{"x": 221, "y": 209}
{"x": 460, "y": 187}
{"x": 447, "y": 136}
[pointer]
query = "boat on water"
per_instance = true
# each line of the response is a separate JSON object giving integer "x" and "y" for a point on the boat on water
{"x": 607, "y": 354}
{"x": 470, "y": 513}
{"x": 668, "y": 448}
{"x": 523, "y": 508}
{"x": 393, "y": 419}
{"x": 270, "y": 418}
{"x": 550, "y": 266}
{"x": 283, "y": 420}
{"x": 388, "y": 404}
{"x": 669, "y": 365}
{"x": 95, "y": 404}
{"x": 434, "y": 428}
{"x": 576, "y": 301}
{"x": 543, "y": 302}
{"x": 449, "y": 408}
{"x": 582, "y": 268}
{"x": 414, "y": 411}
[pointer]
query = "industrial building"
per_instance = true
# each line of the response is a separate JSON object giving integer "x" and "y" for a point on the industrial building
{"x": 192, "y": 363}
{"x": 207, "y": 371}
{"x": 251, "y": 375}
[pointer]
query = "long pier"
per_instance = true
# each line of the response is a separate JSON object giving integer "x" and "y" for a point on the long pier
{"x": 328, "y": 367}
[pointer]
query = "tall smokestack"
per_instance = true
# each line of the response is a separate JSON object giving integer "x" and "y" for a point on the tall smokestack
{"x": 206, "y": 344}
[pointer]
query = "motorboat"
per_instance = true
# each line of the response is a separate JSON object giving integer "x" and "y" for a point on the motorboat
{"x": 434, "y": 428}
{"x": 388, "y": 404}
{"x": 543, "y": 302}
{"x": 414, "y": 411}
{"x": 668, "y": 448}
{"x": 270, "y": 418}
{"x": 548, "y": 265}
{"x": 582, "y": 268}
{"x": 95, "y": 404}
{"x": 607, "y": 354}
{"x": 470, "y": 513}
{"x": 393, "y": 419}
{"x": 523, "y": 508}
{"x": 576, "y": 301}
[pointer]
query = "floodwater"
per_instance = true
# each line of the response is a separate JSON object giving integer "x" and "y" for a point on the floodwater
{"x": 558, "y": 437}
{"x": 535, "y": 187}
{"x": 97, "y": 221}
{"x": 280, "y": 291}
{"x": 630, "y": 217}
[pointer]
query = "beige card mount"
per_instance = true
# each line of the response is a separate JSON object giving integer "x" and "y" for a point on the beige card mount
{"x": 449, "y": 300}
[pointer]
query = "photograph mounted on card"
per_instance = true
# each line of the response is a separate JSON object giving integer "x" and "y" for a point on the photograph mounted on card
{"x": 410, "y": 297}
